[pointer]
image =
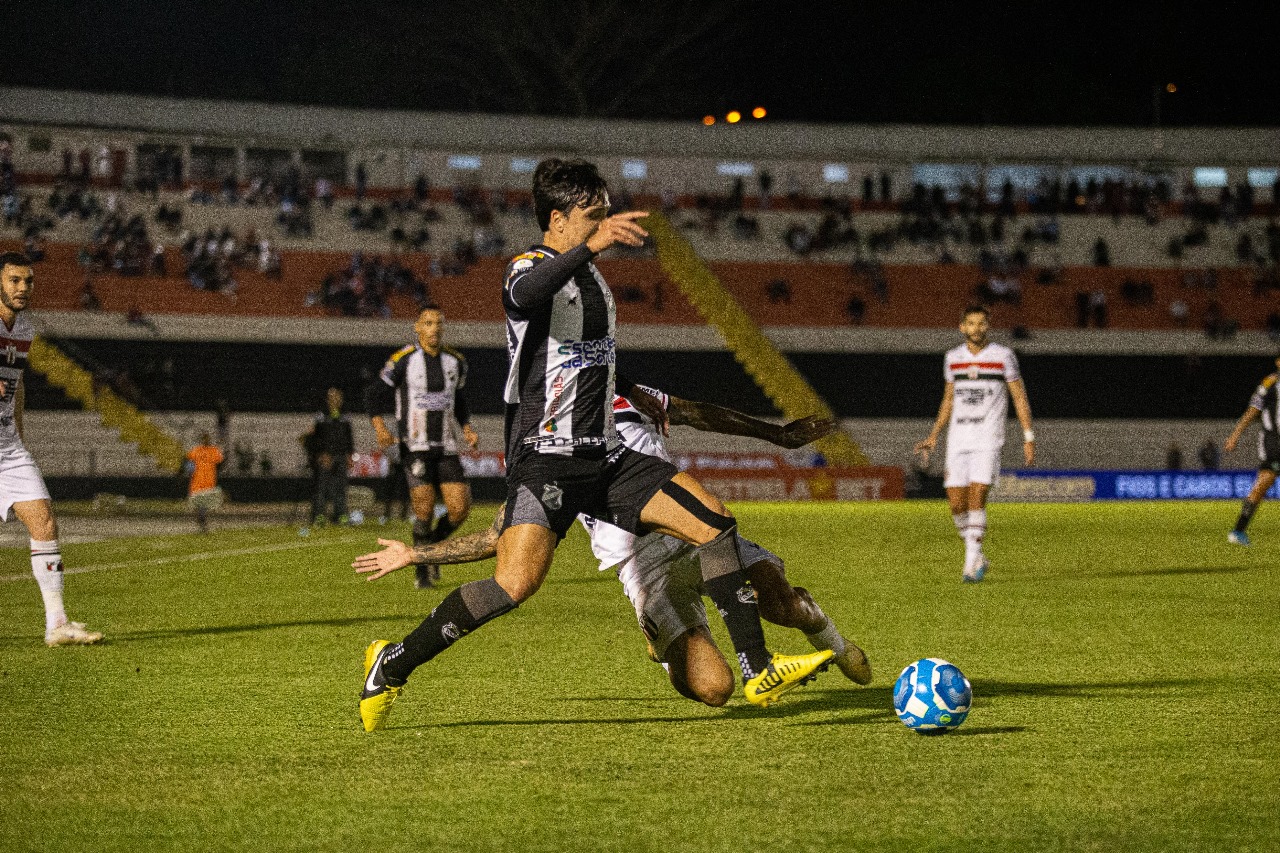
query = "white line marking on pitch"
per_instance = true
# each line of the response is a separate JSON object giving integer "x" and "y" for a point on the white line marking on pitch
{"x": 190, "y": 558}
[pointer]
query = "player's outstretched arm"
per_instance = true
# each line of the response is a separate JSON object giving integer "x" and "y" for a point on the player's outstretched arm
{"x": 709, "y": 417}
{"x": 1250, "y": 415}
{"x": 396, "y": 555}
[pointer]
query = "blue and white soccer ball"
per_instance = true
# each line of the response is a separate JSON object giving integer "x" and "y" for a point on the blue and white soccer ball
{"x": 932, "y": 696}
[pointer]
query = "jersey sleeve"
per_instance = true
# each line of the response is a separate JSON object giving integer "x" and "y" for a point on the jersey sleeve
{"x": 946, "y": 369}
{"x": 1011, "y": 371}
{"x": 1259, "y": 399}
{"x": 534, "y": 277}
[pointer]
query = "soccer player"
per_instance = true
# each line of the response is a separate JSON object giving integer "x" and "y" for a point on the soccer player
{"x": 975, "y": 404}
{"x": 421, "y": 385}
{"x": 660, "y": 574}
{"x": 22, "y": 487}
{"x": 203, "y": 494}
{"x": 1264, "y": 404}
{"x": 564, "y": 456}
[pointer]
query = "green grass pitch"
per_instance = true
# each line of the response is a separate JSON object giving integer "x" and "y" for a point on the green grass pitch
{"x": 1124, "y": 662}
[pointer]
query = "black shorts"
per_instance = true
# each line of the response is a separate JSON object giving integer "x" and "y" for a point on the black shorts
{"x": 1269, "y": 453}
{"x": 550, "y": 491}
{"x": 431, "y": 468}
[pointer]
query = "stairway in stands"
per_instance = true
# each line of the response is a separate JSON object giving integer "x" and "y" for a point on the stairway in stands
{"x": 115, "y": 412}
{"x": 770, "y": 369}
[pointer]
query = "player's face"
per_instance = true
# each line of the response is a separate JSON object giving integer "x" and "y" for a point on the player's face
{"x": 429, "y": 329}
{"x": 582, "y": 221}
{"x": 16, "y": 284}
{"x": 974, "y": 327}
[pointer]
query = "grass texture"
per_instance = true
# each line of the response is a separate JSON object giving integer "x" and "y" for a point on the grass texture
{"x": 1123, "y": 660}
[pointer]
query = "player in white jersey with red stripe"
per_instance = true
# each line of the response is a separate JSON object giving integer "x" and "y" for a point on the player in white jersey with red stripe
{"x": 661, "y": 574}
{"x": 980, "y": 377}
{"x": 22, "y": 488}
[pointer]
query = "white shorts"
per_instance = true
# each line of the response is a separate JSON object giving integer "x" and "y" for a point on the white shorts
{"x": 20, "y": 479}
{"x": 667, "y": 592}
{"x": 209, "y": 500}
{"x": 971, "y": 466}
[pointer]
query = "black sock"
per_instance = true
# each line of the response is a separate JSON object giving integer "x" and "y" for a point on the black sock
{"x": 444, "y": 527}
{"x": 1247, "y": 509}
{"x": 461, "y": 612}
{"x": 728, "y": 588}
{"x": 422, "y": 533}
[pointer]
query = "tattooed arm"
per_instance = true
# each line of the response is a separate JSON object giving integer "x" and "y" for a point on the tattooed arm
{"x": 461, "y": 549}
{"x": 712, "y": 418}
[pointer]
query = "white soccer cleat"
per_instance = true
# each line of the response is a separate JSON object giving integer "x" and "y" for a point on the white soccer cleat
{"x": 977, "y": 574}
{"x": 72, "y": 634}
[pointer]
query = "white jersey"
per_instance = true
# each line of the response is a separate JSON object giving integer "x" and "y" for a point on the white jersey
{"x": 981, "y": 403}
{"x": 15, "y": 344}
{"x": 612, "y": 545}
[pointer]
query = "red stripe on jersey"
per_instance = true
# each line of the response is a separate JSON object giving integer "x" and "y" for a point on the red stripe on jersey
{"x": 995, "y": 365}
{"x": 621, "y": 404}
{"x": 20, "y": 346}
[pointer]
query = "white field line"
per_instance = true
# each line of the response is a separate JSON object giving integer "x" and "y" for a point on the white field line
{"x": 192, "y": 558}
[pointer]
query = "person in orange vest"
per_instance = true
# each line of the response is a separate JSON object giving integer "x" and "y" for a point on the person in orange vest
{"x": 203, "y": 493}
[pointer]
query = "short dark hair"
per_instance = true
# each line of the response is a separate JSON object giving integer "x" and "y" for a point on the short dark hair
{"x": 16, "y": 259}
{"x": 563, "y": 185}
{"x": 975, "y": 308}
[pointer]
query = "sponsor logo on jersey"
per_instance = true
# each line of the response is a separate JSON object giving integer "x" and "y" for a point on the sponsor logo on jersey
{"x": 595, "y": 353}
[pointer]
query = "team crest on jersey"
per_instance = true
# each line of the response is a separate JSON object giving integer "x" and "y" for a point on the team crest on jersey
{"x": 552, "y": 496}
{"x": 551, "y": 426}
{"x": 522, "y": 264}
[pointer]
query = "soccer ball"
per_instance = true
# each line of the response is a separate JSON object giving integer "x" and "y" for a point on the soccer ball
{"x": 932, "y": 696}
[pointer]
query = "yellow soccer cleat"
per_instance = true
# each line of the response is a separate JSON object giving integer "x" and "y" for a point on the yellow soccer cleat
{"x": 378, "y": 696}
{"x": 853, "y": 663}
{"x": 783, "y": 673}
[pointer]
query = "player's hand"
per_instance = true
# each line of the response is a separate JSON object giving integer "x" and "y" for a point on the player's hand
{"x": 470, "y": 437}
{"x": 806, "y": 430}
{"x": 1229, "y": 445}
{"x": 619, "y": 230}
{"x": 924, "y": 448}
{"x": 651, "y": 407}
{"x": 394, "y": 555}
{"x": 1029, "y": 452}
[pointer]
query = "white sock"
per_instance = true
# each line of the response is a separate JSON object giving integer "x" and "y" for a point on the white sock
{"x": 828, "y": 637}
{"x": 973, "y": 535}
{"x": 962, "y": 521}
{"x": 46, "y": 565}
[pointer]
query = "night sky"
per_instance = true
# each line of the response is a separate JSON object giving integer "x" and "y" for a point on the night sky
{"x": 1010, "y": 63}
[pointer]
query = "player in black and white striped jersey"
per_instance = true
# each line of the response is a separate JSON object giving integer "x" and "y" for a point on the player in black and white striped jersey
{"x": 564, "y": 456}
{"x": 421, "y": 385}
{"x": 1264, "y": 405}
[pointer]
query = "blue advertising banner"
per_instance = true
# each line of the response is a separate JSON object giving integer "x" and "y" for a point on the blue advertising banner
{"x": 1041, "y": 486}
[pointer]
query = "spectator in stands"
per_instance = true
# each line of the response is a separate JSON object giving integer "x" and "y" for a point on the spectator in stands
{"x": 1173, "y": 457}
{"x": 1180, "y": 313}
{"x": 329, "y": 446}
{"x": 89, "y": 300}
{"x": 1101, "y": 253}
{"x": 778, "y": 292}
{"x": 765, "y": 178}
{"x": 362, "y": 181}
{"x": 1208, "y": 455}
{"x": 33, "y": 246}
{"x": 856, "y": 309}
{"x": 135, "y": 317}
{"x": 1098, "y": 307}
{"x": 324, "y": 192}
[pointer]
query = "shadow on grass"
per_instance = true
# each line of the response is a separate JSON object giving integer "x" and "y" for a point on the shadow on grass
{"x": 215, "y": 630}
{"x": 1168, "y": 571}
{"x": 873, "y": 704}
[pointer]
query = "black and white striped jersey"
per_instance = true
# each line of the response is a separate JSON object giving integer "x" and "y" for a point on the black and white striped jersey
{"x": 424, "y": 392}
{"x": 15, "y": 344}
{"x": 560, "y": 346}
{"x": 1266, "y": 399}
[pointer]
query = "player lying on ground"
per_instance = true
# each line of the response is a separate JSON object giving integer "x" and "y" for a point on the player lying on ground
{"x": 660, "y": 574}
{"x": 1265, "y": 404}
